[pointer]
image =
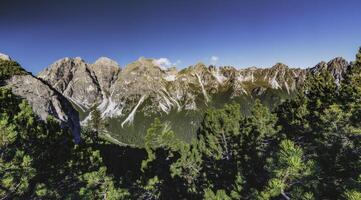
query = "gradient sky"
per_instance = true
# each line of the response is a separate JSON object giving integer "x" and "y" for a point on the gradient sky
{"x": 233, "y": 32}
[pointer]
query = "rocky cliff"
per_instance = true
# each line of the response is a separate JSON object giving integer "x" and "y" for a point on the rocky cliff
{"x": 337, "y": 67}
{"x": 44, "y": 100}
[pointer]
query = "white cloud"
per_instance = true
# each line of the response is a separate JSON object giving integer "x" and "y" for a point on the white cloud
{"x": 165, "y": 62}
{"x": 214, "y": 59}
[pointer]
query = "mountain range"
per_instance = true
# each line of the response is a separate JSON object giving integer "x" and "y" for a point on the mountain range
{"x": 130, "y": 97}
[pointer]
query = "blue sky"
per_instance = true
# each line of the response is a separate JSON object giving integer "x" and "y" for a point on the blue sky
{"x": 222, "y": 32}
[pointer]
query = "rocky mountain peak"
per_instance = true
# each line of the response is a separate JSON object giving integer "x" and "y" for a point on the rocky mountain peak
{"x": 78, "y": 59}
{"x": 105, "y": 61}
{"x": 279, "y": 66}
{"x": 75, "y": 79}
{"x": 337, "y": 67}
{"x": 5, "y": 57}
{"x": 200, "y": 66}
{"x": 321, "y": 66}
{"x": 142, "y": 66}
{"x": 68, "y": 61}
{"x": 338, "y": 62}
{"x": 44, "y": 100}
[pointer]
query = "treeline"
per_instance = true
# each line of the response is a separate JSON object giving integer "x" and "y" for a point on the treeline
{"x": 307, "y": 148}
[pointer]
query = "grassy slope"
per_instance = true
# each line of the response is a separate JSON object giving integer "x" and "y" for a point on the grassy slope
{"x": 186, "y": 123}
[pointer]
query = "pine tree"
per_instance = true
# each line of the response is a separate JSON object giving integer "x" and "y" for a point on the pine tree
{"x": 219, "y": 195}
{"x": 97, "y": 124}
{"x": 16, "y": 164}
{"x": 100, "y": 186}
{"x": 288, "y": 168}
{"x": 152, "y": 189}
{"x": 96, "y": 119}
{"x": 220, "y": 131}
{"x": 159, "y": 136}
{"x": 189, "y": 165}
{"x": 260, "y": 131}
{"x": 351, "y": 86}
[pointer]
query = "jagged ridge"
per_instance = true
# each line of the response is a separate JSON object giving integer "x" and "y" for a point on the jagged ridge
{"x": 143, "y": 90}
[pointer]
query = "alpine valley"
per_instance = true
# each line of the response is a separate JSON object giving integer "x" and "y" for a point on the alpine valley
{"x": 130, "y": 97}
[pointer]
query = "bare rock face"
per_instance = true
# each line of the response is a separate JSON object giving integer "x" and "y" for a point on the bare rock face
{"x": 75, "y": 80}
{"x": 278, "y": 77}
{"x": 45, "y": 101}
{"x": 106, "y": 72}
{"x": 148, "y": 88}
{"x": 337, "y": 67}
{"x": 144, "y": 86}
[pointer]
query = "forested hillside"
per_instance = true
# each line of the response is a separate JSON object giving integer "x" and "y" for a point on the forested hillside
{"x": 309, "y": 147}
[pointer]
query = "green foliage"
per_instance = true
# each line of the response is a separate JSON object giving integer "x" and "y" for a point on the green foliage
{"x": 159, "y": 136}
{"x": 325, "y": 122}
{"x": 151, "y": 190}
{"x": 39, "y": 160}
{"x": 352, "y": 195}
{"x": 10, "y": 68}
{"x": 309, "y": 148}
{"x": 16, "y": 162}
{"x": 189, "y": 165}
{"x": 219, "y": 195}
{"x": 351, "y": 85}
{"x": 260, "y": 134}
{"x": 100, "y": 186}
{"x": 218, "y": 128}
{"x": 97, "y": 123}
{"x": 236, "y": 192}
{"x": 287, "y": 169}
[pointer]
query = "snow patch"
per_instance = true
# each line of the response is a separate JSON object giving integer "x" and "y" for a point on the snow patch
{"x": 164, "y": 108}
{"x": 274, "y": 83}
{"x": 174, "y": 100}
{"x": 242, "y": 78}
{"x": 109, "y": 108}
{"x": 203, "y": 90}
{"x": 170, "y": 77}
{"x": 130, "y": 118}
{"x": 287, "y": 88}
{"x": 83, "y": 108}
{"x": 219, "y": 77}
